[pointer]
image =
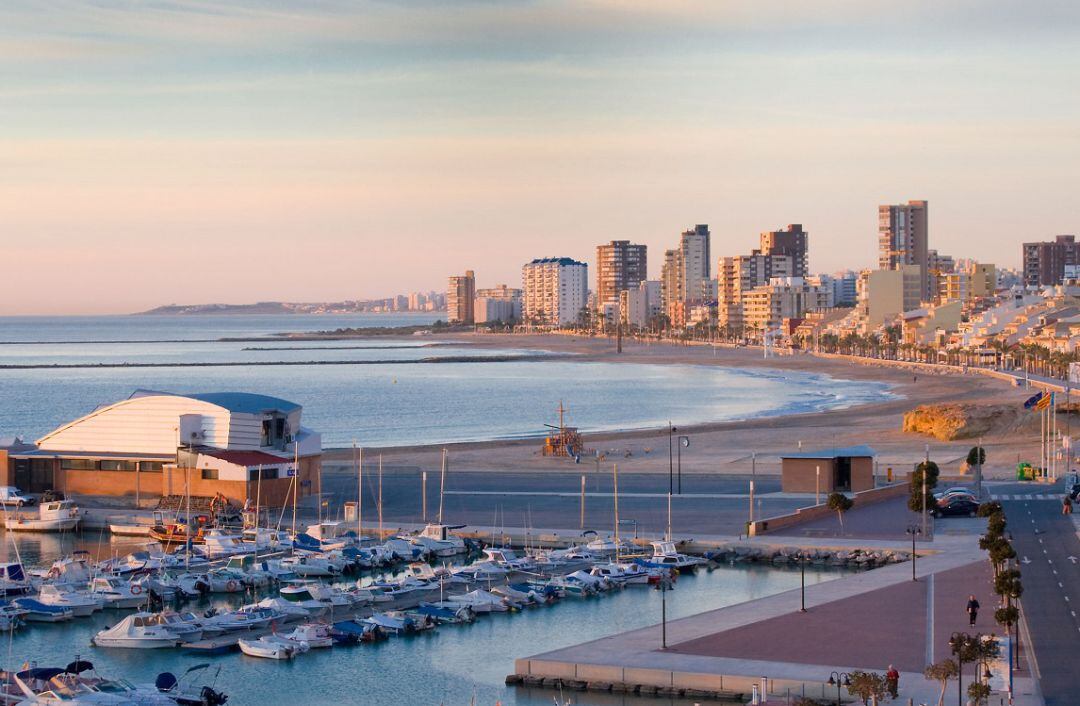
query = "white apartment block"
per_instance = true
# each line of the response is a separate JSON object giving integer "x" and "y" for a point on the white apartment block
{"x": 767, "y": 306}
{"x": 555, "y": 290}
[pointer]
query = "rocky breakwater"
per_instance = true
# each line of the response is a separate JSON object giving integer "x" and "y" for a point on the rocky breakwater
{"x": 781, "y": 556}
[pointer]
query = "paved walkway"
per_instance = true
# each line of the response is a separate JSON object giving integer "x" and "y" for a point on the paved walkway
{"x": 865, "y": 621}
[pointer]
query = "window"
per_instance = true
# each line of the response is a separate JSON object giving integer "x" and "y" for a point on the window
{"x": 79, "y": 464}
{"x": 150, "y": 466}
{"x": 267, "y": 474}
{"x": 107, "y": 465}
{"x": 209, "y": 474}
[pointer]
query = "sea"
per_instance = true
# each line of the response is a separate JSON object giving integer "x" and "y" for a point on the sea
{"x": 380, "y": 391}
{"x": 459, "y": 665}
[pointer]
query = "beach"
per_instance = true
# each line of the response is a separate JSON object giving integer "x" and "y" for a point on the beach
{"x": 736, "y": 447}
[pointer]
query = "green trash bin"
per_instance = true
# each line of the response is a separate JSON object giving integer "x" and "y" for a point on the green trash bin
{"x": 1024, "y": 471}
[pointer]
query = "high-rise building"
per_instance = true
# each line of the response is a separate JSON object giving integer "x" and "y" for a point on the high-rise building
{"x": 903, "y": 239}
{"x": 694, "y": 253}
{"x": 555, "y": 290}
{"x": 843, "y": 284}
{"x": 791, "y": 242}
{"x": 767, "y": 306}
{"x": 459, "y": 298}
{"x": 498, "y": 303}
{"x": 737, "y": 275}
{"x": 1044, "y": 263}
{"x": 620, "y": 265}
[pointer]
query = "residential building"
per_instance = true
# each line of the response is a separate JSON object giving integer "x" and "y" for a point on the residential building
{"x": 938, "y": 266}
{"x": 459, "y": 299}
{"x": 620, "y": 265}
{"x": 844, "y": 291}
{"x": 884, "y": 295}
{"x": 930, "y": 325}
{"x": 555, "y": 291}
{"x": 791, "y": 242}
{"x": 694, "y": 253}
{"x": 499, "y": 303}
{"x": 903, "y": 239}
{"x": 767, "y": 306}
{"x": 671, "y": 288}
{"x": 737, "y": 275}
{"x": 157, "y": 443}
{"x": 635, "y": 306}
{"x": 1045, "y": 262}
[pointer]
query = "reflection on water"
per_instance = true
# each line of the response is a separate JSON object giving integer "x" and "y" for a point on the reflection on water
{"x": 452, "y": 665}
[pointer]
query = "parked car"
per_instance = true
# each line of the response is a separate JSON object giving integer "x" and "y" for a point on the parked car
{"x": 955, "y": 493}
{"x": 10, "y": 495}
{"x": 957, "y": 506}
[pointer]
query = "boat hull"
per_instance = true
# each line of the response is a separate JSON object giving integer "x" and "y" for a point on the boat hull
{"x": 62, "y": 525}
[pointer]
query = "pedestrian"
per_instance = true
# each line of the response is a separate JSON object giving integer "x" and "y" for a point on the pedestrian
{"x": 1066, "y": 506}
{"x": 972, "y": 610}
{"x": 892, "y": 681}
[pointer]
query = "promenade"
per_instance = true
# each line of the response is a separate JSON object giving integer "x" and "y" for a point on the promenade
{"x": 865, "y": 621}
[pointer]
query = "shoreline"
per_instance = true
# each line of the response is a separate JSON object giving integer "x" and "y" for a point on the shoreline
{"x": 730, "y": 446}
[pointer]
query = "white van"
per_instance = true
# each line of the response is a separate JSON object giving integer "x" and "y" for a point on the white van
{"x": 10, "y": 495}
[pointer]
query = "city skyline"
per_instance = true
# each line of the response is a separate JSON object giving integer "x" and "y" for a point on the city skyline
{"x": 347, "y": 150}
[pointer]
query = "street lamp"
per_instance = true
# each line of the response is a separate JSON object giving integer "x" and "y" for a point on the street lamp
{"x": 913, "y": 530}
{"x": 670, "y": 458}
{"x": 802, "y": 558}
{"x": 684, "y": 443}
{"x": 664, "y": 585}
{"x": 835, "y": 679}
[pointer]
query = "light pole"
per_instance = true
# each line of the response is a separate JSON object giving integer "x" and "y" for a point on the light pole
{"x": 670, "y": 459}
{"x": 913, "y": 530}
{"x": 835, "y": 678}
{"x": 684, "y": 443}
{"x": 802, "y": 582}
{"x": 663, "y": 586}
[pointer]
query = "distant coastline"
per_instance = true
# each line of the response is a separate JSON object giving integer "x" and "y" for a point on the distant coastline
{"x": 276, "y": 308}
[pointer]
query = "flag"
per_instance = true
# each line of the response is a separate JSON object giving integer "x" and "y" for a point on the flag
{"x": 1045, "y": 402}
{"x": 1033, "y": 400}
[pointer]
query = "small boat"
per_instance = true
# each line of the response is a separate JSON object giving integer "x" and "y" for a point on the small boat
{"x": 119, "y": 529}
{"x": 268, "y": 648}
{"x": 74, "y": 571}
{"x": 621, "y": 573}
{"x": 137, "y": 631}
{"x": 395, "y": 623}
{"x": 438, "y": 540}
{"x": 185, "y": 693}
{"x": 13, "y": 580}
{"x": 665, "y": 556}
{"x": 38, "y": 612}
{"x": 81, "y": 603}
{"x": 11, "y": 617}
{"x": 185, "y": 626}
{"x": 250, "y": 618}
{"x": 53, "y": 516}
{"x": 218, "y": 543}
{"x": 117, "y": 592}
{"x": 452, "y": 613}
{"x": 316, "y": 635}
{"x": 363, "y": 631}
{"x": 312, "y": 566}
{"x": 291, "y": 610}
{"x": 481, "y": 601}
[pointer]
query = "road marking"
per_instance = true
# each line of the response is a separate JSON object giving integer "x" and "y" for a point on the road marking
{"x": 1061, "y": 585}
{"x": 1025, "y": 560}
{"x": 1054, "y": 570}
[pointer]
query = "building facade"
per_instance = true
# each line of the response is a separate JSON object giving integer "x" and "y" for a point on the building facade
{"x": 791, "y": 242}
{"x": 766, "y": 307}
{"x": 884, "y": 295}
{"x": 159, "y": 443}
{"x": 903, "y": 239}
{"x": 620, "y": 265}
{"x": 459, "y": 299}
{"x": 498, "y": 303}
{"x": 555, "y": 291}
{"x": 1045, "y": 262}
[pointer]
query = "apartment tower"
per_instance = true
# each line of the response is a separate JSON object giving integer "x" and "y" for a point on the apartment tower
{"x": 903, "y": 239}
{"x": 620, "y": 265}
{"x": 555, "y": 290}
{"x": 459, "y": 298}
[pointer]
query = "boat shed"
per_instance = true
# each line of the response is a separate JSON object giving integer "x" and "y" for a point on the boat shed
{"x": 844, "y": 469}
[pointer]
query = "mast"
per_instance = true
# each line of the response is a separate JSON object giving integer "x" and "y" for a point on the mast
{"x": 380, "y": 499}
{"x": 359, "y": 494}
{"x": 187, "y": 502}
{"x": 442, "y": 484}
{"x": 615, "y": 477}
{"x": 258, "y": 497}
{"x": 295, "y": 480}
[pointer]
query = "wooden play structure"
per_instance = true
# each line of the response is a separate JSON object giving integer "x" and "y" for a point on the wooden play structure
{"x": 563, "y": 440}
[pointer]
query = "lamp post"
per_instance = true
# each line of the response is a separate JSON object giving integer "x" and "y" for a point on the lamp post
{"x": 802, "y": 582}
{"x": 684, "y": 443}
{"x": 913, "y": 530}
{"x": 663, "y": 586}
{"x": 835, "y": 678}
{"x": 670, "y": 458}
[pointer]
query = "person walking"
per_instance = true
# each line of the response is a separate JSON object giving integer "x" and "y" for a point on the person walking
{"x": 892, "y": 682}
{"x": 972, "y": 610}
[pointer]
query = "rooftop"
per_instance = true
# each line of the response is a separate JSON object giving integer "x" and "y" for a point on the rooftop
{"x": 836, "y": 451}
{"x": 239, "y": 402}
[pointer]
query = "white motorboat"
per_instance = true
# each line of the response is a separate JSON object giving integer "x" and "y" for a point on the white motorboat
{"x": 292, "y": 610}
{"x": 219, "y": 543}
{"x": 137, "y": 631}
{"x": 13, "y": 580}
{"x": 481, "y": 601}
{"x": 405, "y": 550}
{"x": 312, "y": 566}
{"x": 621, "y": 573}
{"x": 54, "y": 516}
{"x": 185, "y": 626}
{"x": 329, "y": 596}
{"x": 11, "y": 617}
{"x": 265, "y": 539}
{"x": 123, "y": 529}
{"x": 117, "y": 592}
{"x": 665, "y": 556}
{"x": 81, "y": 603}
{"x": 269, "y": 648}
{"x": 38, "y": 612}
{"x": 244, "y": 619}
{"x": 74, "y": 571}
{"x": 316, "y": 635}
{"x": 507, "y": 559}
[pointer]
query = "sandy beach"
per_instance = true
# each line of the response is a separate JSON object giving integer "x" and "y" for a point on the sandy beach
{"x": 730, "y": 447}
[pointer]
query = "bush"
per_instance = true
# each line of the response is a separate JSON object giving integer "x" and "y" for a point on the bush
{"x": 977, "y": 456}
{"x": 866, "y": 685}
{"x": 840, "y": 503}
{"x": 990, "y": 508}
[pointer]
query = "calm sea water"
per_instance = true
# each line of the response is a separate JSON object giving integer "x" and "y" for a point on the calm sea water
{"x": 388, "y": 400}
{"x": 452, "y": 665}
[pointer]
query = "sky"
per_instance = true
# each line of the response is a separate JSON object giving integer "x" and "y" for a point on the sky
{"x": 156, "y": 152}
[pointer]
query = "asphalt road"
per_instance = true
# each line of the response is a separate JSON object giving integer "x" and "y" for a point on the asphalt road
{"x": 1048, "y": 549}
{"x": 511, "y": 500}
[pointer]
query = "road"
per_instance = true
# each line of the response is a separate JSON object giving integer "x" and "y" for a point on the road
{"x": 1048, "y": 549}
{"x": 708, "y": 505}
